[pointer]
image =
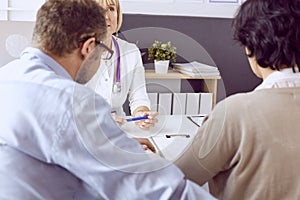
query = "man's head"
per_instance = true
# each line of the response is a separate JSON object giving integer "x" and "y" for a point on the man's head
{"x": 71, "y": 32}
{"x": 270, "y": 31}
{"x": 62, "y": 25}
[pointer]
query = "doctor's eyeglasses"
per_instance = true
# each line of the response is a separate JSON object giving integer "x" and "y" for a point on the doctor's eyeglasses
{"x": 108, "y": 53}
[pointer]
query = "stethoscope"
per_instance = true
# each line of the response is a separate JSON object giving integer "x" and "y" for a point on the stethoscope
{"x": 117, "y": 83}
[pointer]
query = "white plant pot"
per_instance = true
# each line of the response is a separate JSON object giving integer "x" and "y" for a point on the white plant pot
{"x": 161, "y": 67}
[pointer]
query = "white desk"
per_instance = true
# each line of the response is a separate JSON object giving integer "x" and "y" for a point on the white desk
{"x": 169, "y": 148}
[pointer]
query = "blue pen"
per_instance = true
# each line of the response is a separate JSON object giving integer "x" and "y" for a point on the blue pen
{"x": 137, "y": 118}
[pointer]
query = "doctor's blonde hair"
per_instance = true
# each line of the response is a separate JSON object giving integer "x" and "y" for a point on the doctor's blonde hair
{"x": 118, "y": 7}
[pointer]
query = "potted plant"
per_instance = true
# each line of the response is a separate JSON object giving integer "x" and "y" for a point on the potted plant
{"x": 162, "y": 54}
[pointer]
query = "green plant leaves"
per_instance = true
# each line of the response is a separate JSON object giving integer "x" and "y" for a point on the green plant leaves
{"x": 162, "y": 51}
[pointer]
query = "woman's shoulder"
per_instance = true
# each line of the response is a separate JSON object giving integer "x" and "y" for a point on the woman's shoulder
{"x": 127, "y": 45}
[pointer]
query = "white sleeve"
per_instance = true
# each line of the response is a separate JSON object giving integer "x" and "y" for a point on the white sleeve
{"x": 138, "y": 93}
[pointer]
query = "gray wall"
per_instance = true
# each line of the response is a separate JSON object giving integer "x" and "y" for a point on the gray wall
{"x": 8, "y": 28}
{"x": 214, "y": 34}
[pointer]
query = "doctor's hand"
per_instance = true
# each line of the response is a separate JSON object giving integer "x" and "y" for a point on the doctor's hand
{"x": 120, "y": 121}
{"x": 146, "y": 144}
{"x": 146, "y": 123}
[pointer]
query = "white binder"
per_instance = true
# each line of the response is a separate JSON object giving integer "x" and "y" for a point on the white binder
{"x": 153, "y": 101}
{"x": 205, "y": 103}
{"x": 164, "y": 103}
{"x": 192, "y": 103}
{"x": 179, "y": 102}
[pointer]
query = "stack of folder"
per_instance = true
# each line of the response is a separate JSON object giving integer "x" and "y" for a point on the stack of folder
{"x": 181, "y": 103}
{"x": 196, "y": 69}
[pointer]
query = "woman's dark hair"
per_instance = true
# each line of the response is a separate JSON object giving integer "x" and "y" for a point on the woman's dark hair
{"x": 270, "y": 29}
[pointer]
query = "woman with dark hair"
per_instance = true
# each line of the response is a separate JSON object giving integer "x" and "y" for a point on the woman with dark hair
{"x": 247, "y": 148}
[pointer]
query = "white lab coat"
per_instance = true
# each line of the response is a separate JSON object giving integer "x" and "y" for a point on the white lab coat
{"x": 132, "y": 79}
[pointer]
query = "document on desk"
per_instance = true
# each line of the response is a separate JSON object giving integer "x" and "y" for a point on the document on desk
{"x": 171, "y": 134}
{"x": 172, "y": 147}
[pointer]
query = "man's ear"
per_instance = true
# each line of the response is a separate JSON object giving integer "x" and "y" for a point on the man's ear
{"x": 87, "y": 47}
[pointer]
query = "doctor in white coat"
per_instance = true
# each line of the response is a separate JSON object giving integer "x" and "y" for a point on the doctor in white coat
{"x": 122, "y": 76}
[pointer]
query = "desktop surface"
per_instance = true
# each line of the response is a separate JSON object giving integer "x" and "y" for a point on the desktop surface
{"x": 170, "y": 135}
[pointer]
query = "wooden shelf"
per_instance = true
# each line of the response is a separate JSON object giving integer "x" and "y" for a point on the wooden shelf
{"x": 210, "y": 81}
{"x": 150, "y": 74}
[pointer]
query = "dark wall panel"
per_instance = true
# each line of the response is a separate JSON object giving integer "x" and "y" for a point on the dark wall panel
{"x": 215, "y": 35}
